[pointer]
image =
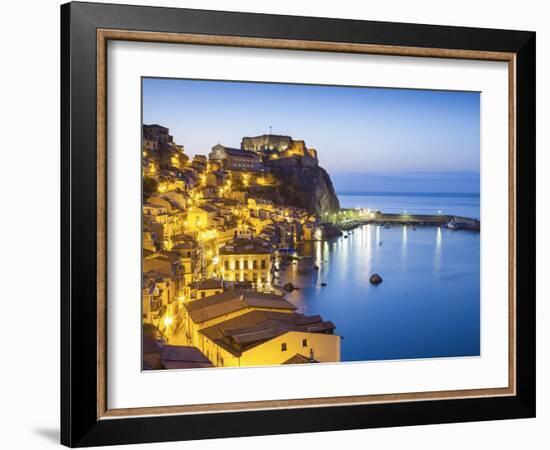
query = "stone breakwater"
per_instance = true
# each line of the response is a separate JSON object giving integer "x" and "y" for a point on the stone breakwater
{"x": 449, "y": 221}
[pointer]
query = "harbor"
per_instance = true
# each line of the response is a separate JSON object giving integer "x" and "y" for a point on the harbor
{"x": 430, "y": 220}
{"x": 426, "y": 306}
{"x": 346, "y": 220}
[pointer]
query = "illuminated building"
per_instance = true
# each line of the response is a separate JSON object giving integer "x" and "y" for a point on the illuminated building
{"x": 266, "y": 142}
{"x": 276, "y": 147}
{"x": 206, "y": 288}
{"x": 235, "y": 159}
{"x": 159, "y": 144}
{"x": 209, "y": 311}
{"x": 201, "y": 217}
{"x": 199, "y": 163}
{"x": 245, "y": 261}
{"x": 264, "y": 337}
{"x": 187, "y": 250}
{"x": 159, "y": 294}
{"x": 216, "y": 178}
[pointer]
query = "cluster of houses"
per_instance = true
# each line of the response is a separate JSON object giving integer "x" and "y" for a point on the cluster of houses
{"x": 210, "y": 290}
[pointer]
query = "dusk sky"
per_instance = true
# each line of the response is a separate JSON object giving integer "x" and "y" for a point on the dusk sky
{"x": 369, "y": 139}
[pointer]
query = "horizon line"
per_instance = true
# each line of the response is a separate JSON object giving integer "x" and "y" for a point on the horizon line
{"x": 408, "y": 193}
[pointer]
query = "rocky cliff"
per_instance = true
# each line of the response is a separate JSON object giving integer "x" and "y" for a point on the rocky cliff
{"x": 304, "y": 186}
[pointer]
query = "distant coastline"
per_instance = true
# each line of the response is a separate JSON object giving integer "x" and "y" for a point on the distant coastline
{"x": 408, "y": 194}
{"x": 462, "y": 204}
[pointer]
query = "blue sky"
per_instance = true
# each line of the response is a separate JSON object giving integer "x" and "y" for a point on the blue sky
{"x": 392, "y": 136}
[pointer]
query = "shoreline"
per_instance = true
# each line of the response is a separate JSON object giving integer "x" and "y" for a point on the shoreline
{"x": 331, "y": 230}
{"x": 447, "y": 221}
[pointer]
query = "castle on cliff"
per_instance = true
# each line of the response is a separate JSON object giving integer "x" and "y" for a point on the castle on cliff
{"x": 259, "y": 153}
{"x": 274, "y": 146}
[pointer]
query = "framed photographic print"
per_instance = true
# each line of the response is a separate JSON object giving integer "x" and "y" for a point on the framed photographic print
{"x": 277, "y": 224}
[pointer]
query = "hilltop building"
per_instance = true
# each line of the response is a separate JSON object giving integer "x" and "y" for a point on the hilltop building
{"x": 235, "y": 159}
{"x": 267, "y": 142}
{"x": 156, "y": 136}
{"x": 273, "y": 146}
{"x": 158, "y": 143}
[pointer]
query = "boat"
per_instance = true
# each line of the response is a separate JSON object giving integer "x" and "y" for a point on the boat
{"x": 452, "y": 225}
{"x": 288, "y": 252}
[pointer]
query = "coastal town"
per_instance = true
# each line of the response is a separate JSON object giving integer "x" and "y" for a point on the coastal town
{"x": 217, "y": 231}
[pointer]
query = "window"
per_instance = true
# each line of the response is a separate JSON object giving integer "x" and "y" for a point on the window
{"x": 263, "y": 263}
{"x": 283, "y": 347}
{"x": 254, "y": 264}
{"x": 237, "y": 265}
{"x": 304, "y": 342}
{"x": 245, "y": 264}
{"x": 226, "y": 265}
{"x": 203, "y": 294}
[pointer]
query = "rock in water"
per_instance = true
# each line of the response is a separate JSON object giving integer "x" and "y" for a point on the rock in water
{"x": 375, "y": 279}
{"x": 289, "y": 287}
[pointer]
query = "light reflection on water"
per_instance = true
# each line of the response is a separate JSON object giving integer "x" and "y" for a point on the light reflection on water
{"x": 427, "y": 305}
{"x": 438, "y": 248}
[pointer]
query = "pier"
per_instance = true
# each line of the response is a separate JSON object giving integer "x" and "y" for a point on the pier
{"x": 433, "y": 220}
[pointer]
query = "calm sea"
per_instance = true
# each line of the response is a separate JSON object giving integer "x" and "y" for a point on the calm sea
{"x": 466, "y": 205}
{"x": 428, "y": 304}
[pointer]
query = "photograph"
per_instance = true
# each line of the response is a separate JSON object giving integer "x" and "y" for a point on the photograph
{"x": 302, "y": 224}
{"x": 287, "y": 222}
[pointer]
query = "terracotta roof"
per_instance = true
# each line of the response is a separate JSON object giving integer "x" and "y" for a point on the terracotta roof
{"x": 243, "y": 249}
{"x": 211, "y": 283}
{"x": 241, "y": 153}
{"x": 183, "y": 357}
{"x": 208, "y": 208}
{"x": 234, "y": 300}
{"x": 254, "y": 328}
